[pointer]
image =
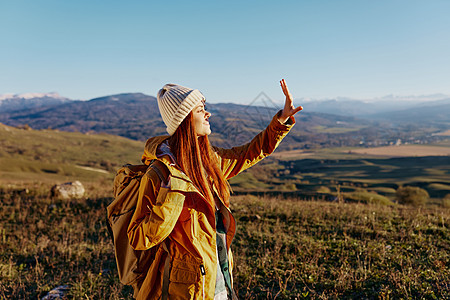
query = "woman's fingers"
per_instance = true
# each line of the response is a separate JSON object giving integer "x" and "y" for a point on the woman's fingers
{"x": 285, "y": 89}
{"x": 297, "y": 109}
{"x": 289, "y": 108}
{"x": 283, "y": 86}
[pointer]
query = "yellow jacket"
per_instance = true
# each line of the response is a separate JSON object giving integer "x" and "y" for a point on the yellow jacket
{"x": 178, "y": 214}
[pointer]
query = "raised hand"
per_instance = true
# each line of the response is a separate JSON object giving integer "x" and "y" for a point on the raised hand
{"x": 289, "y": 108}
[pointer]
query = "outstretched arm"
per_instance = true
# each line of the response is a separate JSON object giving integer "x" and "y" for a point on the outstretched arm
{"x": 235, "y": 160}
{"x": 289, "y": 108}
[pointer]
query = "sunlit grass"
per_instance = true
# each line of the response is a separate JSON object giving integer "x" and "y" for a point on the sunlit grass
{"x": 47, "y": 155}
{"x": 283, "y": 249}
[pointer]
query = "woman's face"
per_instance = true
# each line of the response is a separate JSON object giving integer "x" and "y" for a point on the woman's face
{"x": 200, "y": 118}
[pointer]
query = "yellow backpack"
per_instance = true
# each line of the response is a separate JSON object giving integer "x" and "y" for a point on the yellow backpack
{"x": 132, "y": 265}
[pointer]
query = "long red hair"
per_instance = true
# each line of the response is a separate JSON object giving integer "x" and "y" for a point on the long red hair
{"x": 197, "y": 159}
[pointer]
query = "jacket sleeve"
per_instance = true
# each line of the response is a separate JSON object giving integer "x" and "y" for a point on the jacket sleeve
{"x": 237, "y": 159}
{"x": 155, "y": 216}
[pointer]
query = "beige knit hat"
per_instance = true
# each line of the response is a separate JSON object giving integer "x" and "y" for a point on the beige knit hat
{"x": 175, "y": 102}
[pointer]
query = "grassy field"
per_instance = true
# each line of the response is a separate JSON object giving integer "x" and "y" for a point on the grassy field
{"x": 284, "y": 249}
{"x": 32, "y": 157}
{"x": 320, "y": 173}
{"x": 405, "y": 151}
{"x": 438, "y": 149}
{"x": 341, "y": 129}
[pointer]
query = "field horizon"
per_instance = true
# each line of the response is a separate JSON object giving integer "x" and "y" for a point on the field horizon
{"x": 51, "y": 157}
{"x": 321, "y": 224}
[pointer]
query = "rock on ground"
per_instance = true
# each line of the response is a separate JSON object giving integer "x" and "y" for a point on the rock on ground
{"x": 68, "y": 190}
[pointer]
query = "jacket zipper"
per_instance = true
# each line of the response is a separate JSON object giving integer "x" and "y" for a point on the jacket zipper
{"x": 202, "y": 270}
{"x": 202, "y": 267}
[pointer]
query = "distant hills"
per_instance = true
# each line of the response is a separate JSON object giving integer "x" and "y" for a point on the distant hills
{"x": 136, "y": 116}
{"x": 12, "y": 102}
{"x": 433, "y": 108}
{"x": 435, "y": 112}
{"x": 131, "y": 115}
{"x": 321, "y": 124}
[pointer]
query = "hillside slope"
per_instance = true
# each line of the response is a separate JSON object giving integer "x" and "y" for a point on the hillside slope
{"x": 57, "y": 156}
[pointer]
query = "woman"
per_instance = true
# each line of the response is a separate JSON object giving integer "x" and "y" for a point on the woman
{"x": 188, "y": 216}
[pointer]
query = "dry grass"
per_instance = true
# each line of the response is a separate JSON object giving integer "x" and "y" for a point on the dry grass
{"x": 317, "y": 250}
{"x": 284, "y": 249}
{"x": 405, "y": 151}
{"x": 292, "y": 154}
{"x": 444, "y": 133}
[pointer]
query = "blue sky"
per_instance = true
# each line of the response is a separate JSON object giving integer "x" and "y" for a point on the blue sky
{"x": 230, "y": 50}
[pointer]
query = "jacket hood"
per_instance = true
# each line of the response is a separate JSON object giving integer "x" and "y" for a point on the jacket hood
{"x": 151, "y": 148}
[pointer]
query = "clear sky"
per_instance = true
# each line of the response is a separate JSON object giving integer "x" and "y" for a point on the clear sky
{"x": 230, "y": 50}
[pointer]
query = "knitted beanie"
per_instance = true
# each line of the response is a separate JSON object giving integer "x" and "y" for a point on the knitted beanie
{"x": 175, "y": 102}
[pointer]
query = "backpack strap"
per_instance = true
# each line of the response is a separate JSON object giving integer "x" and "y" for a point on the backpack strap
{"x": 161, "y": 170}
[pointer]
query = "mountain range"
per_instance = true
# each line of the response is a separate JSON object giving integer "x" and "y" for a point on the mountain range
{"x": 388, "y": 108}
{"x": 12, "y": 102}
{"x": 322, "y": 123}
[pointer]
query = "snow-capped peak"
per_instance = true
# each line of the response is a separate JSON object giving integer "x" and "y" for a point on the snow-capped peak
{"x": 30, "y": 96}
